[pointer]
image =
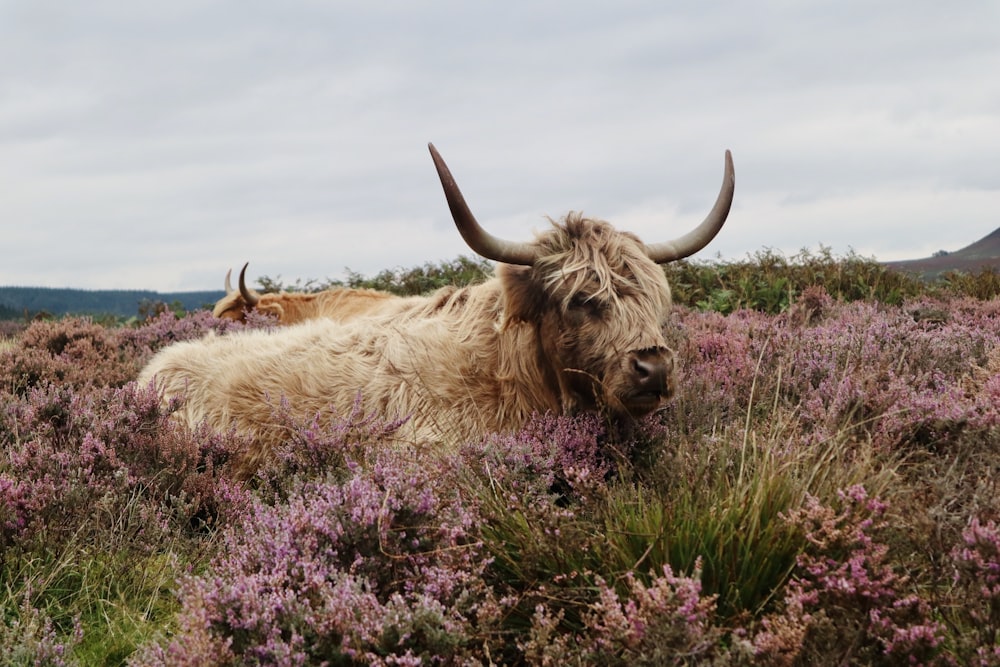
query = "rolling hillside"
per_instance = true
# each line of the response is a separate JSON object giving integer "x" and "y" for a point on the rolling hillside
{"x": 984, "y": 253}
{"x": 15, "y": 302}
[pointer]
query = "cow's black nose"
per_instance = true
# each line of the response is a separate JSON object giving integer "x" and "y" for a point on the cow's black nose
{"x": 651, "y": 370}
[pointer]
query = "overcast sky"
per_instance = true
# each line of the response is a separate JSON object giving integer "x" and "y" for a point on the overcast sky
{"x": 153, "y": 145}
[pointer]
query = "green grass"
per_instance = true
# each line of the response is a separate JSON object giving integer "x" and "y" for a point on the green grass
{"x": 105, "y": 585}
{"x": 714, "y": 503}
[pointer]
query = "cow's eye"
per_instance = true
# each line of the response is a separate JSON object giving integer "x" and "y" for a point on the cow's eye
{"x": 585, "y": 305}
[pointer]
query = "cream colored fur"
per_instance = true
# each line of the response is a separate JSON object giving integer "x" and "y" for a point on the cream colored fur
{"x": 460, "y": 363}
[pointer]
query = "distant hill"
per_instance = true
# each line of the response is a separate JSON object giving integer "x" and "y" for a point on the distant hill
{"x": 984, "y": 253}
{"x": 16, "y": 301}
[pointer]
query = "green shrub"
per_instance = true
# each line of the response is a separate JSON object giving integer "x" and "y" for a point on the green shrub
{"x": 460, "y": 271}
{"x": 770, "y": 282}
{"x": 766, "y": 281}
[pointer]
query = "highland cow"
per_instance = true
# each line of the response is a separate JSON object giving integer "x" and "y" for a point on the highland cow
{"x": 572, "y": 321}
{"x": 291, "y": 308}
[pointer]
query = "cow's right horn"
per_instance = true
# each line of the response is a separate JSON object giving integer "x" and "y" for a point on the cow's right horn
{"x": 249, "y": 296}
{"x": 700, "y": 236}
{"x": 476, "y": 237}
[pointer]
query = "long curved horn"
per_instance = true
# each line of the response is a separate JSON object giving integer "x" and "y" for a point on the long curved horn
{"x": 229, "y": 284}
{"x": 249, "y": 296}
{"x": 700, "y": 236}
{"x": 476, "y": 237}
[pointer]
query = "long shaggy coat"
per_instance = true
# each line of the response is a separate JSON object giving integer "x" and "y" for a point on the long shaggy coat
{"x": 460, "y": 363}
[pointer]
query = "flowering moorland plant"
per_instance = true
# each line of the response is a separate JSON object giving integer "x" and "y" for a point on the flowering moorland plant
{"x": 822, "y": 490}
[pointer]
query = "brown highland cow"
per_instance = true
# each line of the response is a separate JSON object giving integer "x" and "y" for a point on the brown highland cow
{"x": 571, "y": 322}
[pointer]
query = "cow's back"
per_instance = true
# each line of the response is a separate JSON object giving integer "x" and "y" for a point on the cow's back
{"x": 435, "y": 360}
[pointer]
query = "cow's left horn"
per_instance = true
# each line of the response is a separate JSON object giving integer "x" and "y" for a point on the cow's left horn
{"x": 476, "y": 237}
{"x": 249, "y": 296}
{"x": 700, "y": 236}
{"x": 229, "y": 284}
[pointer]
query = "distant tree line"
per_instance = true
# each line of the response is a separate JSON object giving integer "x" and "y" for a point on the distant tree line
{"x": 27, "y": 302}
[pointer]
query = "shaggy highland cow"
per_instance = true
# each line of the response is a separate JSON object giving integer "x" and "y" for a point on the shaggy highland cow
{"x": 291, "y": 308}
{"x": 571, "y": 322}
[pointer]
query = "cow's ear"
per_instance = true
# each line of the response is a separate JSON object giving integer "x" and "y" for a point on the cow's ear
{"x": 524, "y": 300}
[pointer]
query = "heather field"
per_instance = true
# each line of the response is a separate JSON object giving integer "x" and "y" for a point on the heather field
{"x": 823, "y": 490}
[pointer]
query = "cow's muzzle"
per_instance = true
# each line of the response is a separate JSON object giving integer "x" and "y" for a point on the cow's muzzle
{"x": 652, "y": 380}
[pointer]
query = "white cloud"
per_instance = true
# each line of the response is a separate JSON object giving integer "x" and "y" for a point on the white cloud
{"x": 155, "y": 145}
